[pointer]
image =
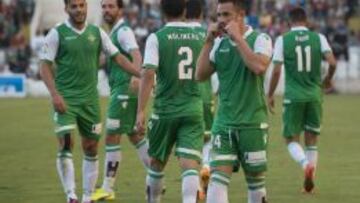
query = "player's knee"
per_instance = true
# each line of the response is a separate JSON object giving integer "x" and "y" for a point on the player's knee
{"x": 66, "y": 143}
{"x": 310, "y": 139}
{"x": 90, "y": 148}
{"x": 291, "y": 139}
{"x": 112, "y": 139}
{"x": 255, "y": 180}
{"x": 156, "y": 165}
{"x": 135, "y": 139}
{"x": 188, "y": 163}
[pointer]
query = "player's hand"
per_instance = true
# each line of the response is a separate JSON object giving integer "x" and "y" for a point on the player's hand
{"x": 233, "y": 29}
{"x": 213, "y": 32}
{"x": 327, "y": 85}
{"x": 134, "y": 85}
{"x": 140, "y": 123}
{"x": 59, "y": 103}
{"x": 271, "y": 104}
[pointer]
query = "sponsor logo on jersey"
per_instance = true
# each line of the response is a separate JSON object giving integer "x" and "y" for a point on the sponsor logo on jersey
{"x": 302, "y": 38}
{"x": 224, "y": 50}
{"x": 70, "y": 38}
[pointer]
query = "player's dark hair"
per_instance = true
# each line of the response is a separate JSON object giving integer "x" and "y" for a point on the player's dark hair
{"x": 66, "y": 2}
{"x": 297, "y": 14}
{"x": 173, "y": 8}
{"x": 239, "y": 4}
{"x": 193, "y": 9}
{"x": 120, "y": 3}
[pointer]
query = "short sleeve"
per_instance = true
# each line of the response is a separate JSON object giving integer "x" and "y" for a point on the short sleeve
{"x": 151, "y": 55}
{"x": 214, "y": 49}
{"x": 325, "y": 46}
{"x": 263, "y": 45}
{"x": 278, "y": 56}
{"x": 50, "y": 47}
{"x": 107, "y": 46}
{"x": 127, "y": 40}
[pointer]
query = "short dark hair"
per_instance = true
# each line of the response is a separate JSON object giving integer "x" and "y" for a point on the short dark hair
{"x": 173, "y": 8}
{"x": 120, "y": 3}
{"x": 297, "y": 14}
{"x": 239, "y": 4}
{"x": 193, "y": 9}
{"x": 66, "y": 2}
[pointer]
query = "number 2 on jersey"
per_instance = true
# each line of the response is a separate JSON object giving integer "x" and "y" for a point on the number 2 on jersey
{"x": 183, "y": 73}
{"x": 299, "y": 54}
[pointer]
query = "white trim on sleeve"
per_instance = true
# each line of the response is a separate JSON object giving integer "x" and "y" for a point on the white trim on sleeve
{"x": 278, "y": 50}
{"x": 325, "y": 46}
{"x": 126, "y": 39}
{"x": 263, "y": 45}
{"x": 151, "y": 55}
{"x": 107, "y": 46}
{"x": 51, "y": 45}
{"x": 216, "y": 45}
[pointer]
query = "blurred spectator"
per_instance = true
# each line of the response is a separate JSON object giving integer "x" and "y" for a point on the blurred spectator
{"x": 16, "y": 35}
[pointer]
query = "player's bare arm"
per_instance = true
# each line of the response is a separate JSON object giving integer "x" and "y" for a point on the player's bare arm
{"x": 204, "y": 69}
{"x": 330, "y": 58}
{"x": 137, "y": 61}
{"x": 146, "y": 84}
{"x": 129, "y": 67}
{"x": 47, "y": 76}
{"x": 258, "y": 63}
{"x": 275, "y": 76}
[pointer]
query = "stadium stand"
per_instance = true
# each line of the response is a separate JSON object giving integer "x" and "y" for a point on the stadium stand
{"x": 21, "y": 32}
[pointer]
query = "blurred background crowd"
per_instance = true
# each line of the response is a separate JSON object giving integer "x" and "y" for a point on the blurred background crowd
{"x": 23, "y": 25}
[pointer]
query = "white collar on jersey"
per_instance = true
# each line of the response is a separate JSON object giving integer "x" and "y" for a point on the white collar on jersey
{"x": 248, "y": 31}
{"x": 195, "y": 24}
{"x": 299, "y": 28}
{"x": 119, "y": 22}
{"x": 67, "y": 23}
{"x": 178, "y": 24}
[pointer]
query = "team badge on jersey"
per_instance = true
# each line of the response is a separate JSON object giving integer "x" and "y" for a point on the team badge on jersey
{"x": 91, "y": 38}
{"x": 96, "y": 128}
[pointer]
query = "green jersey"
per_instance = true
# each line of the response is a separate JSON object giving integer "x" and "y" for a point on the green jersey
{"x": 241, "y": 93}
{"x": 173, "y": 51}
{"x": 205, "y": 87}
{"x": 76, "y": 55}
{"x": 300, "y": 50}
{"x": 124, "y": 39}
{"x": 77, "y": 64}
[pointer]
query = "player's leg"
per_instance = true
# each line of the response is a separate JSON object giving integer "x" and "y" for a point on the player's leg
{"x": 65, "y": 124}
{"x": 208, "y": 120}
{"x": 139, "y": 141}
{"x": 293, "y": 121}
{"x": 112, "y": 162}
{"x": 223, "y": 158}
{"x": 161, "y": 134}
{"x": 252, "y": 153}
{"x": 312, "y": 130}
{"x": 90, "y": 129}
{"x": 113, "y": 153}
{"x": 205, "y": 170}
{"x": 189, "y": 143}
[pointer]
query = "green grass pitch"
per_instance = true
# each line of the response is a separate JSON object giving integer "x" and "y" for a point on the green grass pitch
{"x": 28, "y": 149}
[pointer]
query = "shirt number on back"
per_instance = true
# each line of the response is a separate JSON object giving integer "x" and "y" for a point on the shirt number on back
{"x": 299, "y": 54}
{"x": 185, "y": 74}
